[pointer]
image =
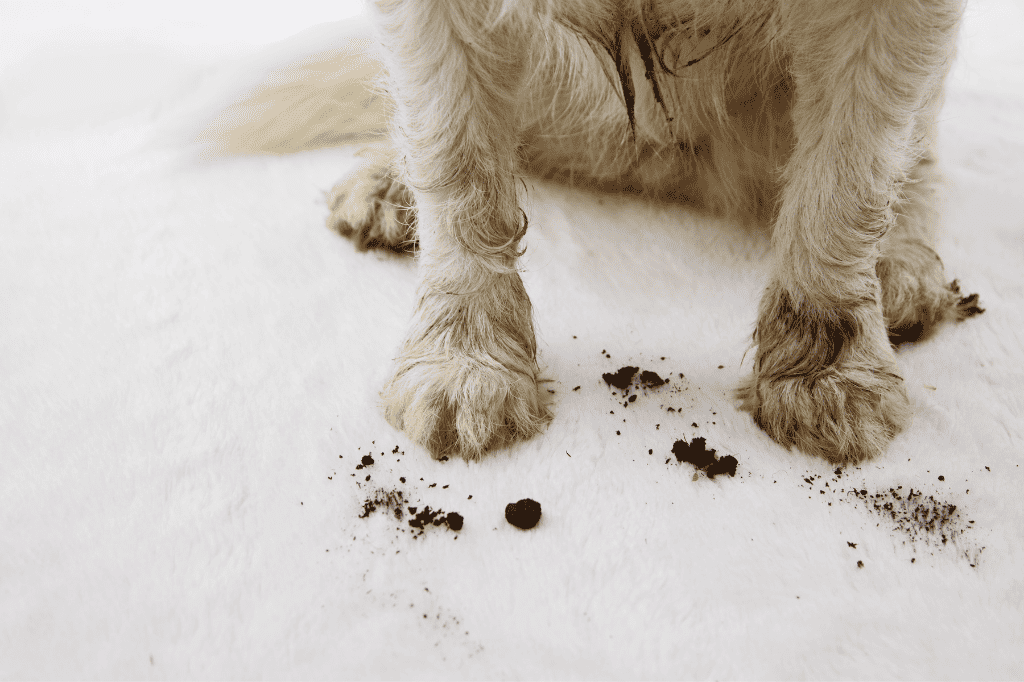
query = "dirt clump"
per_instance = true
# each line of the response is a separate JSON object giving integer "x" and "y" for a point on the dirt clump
{"x": 622, "y": 378}
{"x": 427, "y": 517}
{"x": 649, "y": 379}
{"x": 703, "y": 459}
{"x": 524, "y": 514}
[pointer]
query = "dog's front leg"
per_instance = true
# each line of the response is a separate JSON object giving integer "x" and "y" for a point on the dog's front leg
{"x": 825, "y": 376}
{"x": 466, "y": 377}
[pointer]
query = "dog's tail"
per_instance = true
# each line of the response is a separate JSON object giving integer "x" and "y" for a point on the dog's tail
{"x": 331, "y": 97}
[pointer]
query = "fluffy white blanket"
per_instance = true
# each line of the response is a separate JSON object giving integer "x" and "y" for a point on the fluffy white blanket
{"x": 188, "y": 392}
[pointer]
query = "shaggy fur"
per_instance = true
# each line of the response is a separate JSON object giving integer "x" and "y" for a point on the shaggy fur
{"x": 817, "y": 116}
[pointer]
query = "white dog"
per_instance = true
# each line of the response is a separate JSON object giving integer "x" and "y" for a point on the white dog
{"x": 816, "y": 115}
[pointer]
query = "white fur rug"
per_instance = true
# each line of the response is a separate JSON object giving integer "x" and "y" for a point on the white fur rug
{"x": 189, "y": 363}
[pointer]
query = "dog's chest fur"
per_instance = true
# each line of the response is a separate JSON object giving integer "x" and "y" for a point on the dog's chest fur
{"x": 683, "y": 99}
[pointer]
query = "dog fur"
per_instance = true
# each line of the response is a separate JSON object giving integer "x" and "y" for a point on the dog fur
{"x": 817, "y": 116}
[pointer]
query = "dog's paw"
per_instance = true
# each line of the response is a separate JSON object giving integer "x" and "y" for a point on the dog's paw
{"x": 915, "y": 294}
{"x": 457, "y": 406}
{"x": 843, "y": 414}
{"x": 466, "y": 380}
{"x": 374, "y": 209}
{"x": 825, "y": 379}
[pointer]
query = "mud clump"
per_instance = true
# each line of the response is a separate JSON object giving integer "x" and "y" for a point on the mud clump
{"x": 725, "y": 465}
{"x": 430, "y": 517}
{"x": 523, "y": 514}
{"x": 454, "y": 521}
{"x": 621, "y": 379}
{"x": 696, "y": 453}
{"x": 649, "y": 379}
{"x": 632, "y": 377}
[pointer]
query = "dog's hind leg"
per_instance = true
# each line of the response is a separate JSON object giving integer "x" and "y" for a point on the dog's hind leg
{"x": 466, "y": 377}
{"x": 916, "y": 295}
{"x": 825, "y": 376}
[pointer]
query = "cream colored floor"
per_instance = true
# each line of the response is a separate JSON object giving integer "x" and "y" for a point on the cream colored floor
{"x": 189, "y": 363}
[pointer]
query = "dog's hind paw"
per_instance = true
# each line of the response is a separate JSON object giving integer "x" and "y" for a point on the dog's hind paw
{"x": 374, "y": 209}
{"x": 915, "y": 294}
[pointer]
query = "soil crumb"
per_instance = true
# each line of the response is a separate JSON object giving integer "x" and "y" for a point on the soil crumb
{"x": 525, "y": 513}
{"x": 696, "y": 453}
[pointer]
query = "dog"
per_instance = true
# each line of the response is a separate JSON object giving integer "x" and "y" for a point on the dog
{"x": 816, "y": 116}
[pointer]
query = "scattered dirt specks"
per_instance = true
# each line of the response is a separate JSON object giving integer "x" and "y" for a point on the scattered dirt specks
{"x": 920, "y": 518}
{"x": 384, "y": 499}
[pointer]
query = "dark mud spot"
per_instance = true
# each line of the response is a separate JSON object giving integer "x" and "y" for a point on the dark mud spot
{"x": 696, "y": 453}
{"x": 631, "y": 377}
{"x": 649, "y": 379}
{"x": 366, "y": 461}
{"x": 454, "y": 521}
{"x": 523, "y": 514}
{"x": 621, "y": 379}
{"x": 725, "y": 465}
{"x": 429, "y": 517}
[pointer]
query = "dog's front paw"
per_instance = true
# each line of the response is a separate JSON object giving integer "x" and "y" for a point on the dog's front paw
{"x": 844, "y": 414}
{"x": 825, "y": 380}
{"x": 373, "y": 208}
{"x": 466, "y": 380}
{"x": 460, "y": 407}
